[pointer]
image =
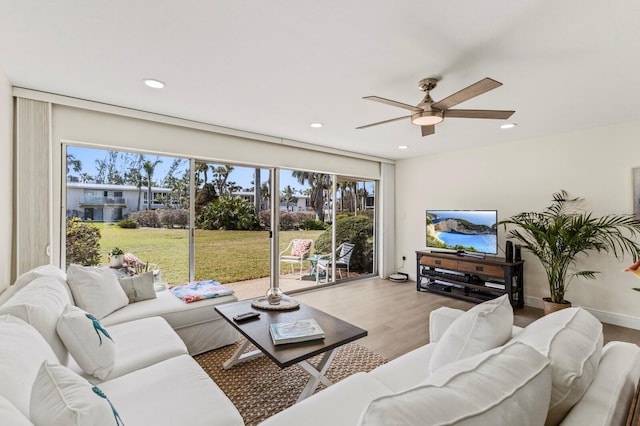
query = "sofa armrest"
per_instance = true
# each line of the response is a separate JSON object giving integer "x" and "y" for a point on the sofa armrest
{"x": 609, "y": 396}
{"x": 439, "y": 320}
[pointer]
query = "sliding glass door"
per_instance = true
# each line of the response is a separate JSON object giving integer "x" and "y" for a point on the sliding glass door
{"x": 197, "y": 220}
{"x": 232, "y": 219}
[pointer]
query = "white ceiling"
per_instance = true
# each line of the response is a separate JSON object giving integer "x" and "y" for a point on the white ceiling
{"x": 275, "y": 66}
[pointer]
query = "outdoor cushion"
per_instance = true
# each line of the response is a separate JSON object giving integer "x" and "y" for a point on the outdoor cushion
{"x": 88, "y": 342}
{"x": 483, "y": 327}
{"x": 138, "y": 287}
{"x": 22, "y": 351}
{"x": 509, "y": 385}
{"x": 40, "y": 304}
{"x": 301, "y": 248}
{"x": 61, "y": 397}
{"x": 572, "y": 340}
{"x": 96, "y": 290}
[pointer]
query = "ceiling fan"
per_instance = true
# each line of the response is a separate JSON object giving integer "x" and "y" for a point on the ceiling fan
{"x": 429, "y": 113}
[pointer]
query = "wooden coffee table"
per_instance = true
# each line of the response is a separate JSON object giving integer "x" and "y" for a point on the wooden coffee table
{"x": 337, "y": 333}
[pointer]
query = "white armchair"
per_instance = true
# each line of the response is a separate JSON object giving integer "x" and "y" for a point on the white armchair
{"x": 295, "y": 253}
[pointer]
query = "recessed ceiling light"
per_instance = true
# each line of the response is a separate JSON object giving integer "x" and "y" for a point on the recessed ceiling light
{"x": 403, "y": 147}
{"x": 316, "y": 125}
{"x": 508, "y": 126}
{"x": 156, "y": 84}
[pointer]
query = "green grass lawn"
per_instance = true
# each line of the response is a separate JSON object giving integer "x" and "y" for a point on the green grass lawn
{"x": 227, "y": 256}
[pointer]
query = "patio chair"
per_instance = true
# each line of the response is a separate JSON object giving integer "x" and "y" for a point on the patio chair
{"x": 344, "y": 250}
{"x": 298, "y": 250}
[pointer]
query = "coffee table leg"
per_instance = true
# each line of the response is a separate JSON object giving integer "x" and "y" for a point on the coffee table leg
{"x": 239, "y": 355}
{"x": 317, "y": 373}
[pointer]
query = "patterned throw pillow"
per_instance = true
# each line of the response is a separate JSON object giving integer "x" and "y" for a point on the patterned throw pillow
{"x": 301, "y": 247}
{"x": 61, "y": 397}
{"x": 87, "y": 341}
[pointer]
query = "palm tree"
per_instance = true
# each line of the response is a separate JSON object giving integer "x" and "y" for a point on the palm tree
{"x": 203, "y": 168}
{"x": 149, "y": 168}
{"x": 288, "y": 196}
{"x": 318, "y": 183}
{"x": 75, "y": 164}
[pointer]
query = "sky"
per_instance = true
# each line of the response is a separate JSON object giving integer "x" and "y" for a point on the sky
{"x": 241, "y": 175}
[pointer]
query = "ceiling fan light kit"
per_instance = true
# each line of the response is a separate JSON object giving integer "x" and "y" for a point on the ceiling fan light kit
{"x": 429, "y": 113}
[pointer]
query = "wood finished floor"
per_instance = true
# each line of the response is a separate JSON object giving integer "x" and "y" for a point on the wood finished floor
{"x": 397, "y": 316}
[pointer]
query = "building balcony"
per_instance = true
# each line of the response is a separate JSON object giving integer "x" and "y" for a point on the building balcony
{"x": 103, "y": 201}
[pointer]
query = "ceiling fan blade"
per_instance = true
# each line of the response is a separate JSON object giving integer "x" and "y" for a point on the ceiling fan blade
{"x": 478, "y": 113}
{"x": 467, "y": 93}
{"x": 428, "y": 130}
{"x": 383, "y": 122}
{"x": 393, "y": 103}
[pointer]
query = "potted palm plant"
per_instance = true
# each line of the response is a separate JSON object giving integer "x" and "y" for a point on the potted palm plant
{"x": 562, "y": 232}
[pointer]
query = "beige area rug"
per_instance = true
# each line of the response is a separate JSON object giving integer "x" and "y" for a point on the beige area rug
{"x": 259, "y": 388}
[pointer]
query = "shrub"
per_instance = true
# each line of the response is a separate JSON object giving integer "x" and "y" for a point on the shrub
{"x": 173, "y": 218}
{"x": 146, "y": 218}
{"x": 357, "y": 230}
{"x": 83, "y": 242}
{"x": 128, "y": 224}
{"x": 314, "y": 225}
{"x": 229, "y": 213}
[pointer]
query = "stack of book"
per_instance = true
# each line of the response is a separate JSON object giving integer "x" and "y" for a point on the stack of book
{"x": 296, "y": 331}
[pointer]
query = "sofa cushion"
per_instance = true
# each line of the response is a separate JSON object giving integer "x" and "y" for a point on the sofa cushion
{"x": 37, "y": 272}
{"x": 483, "y": 327}
{"x": 22, "y": 351}
{"x": 507, "y": 385}
{"x": 401, "y": 373}
{"x": 138, "y": 287}
{"x": 176, "y": 391}
{"x": 88, "y": 342}
{"x": 10, "y": 415}
{"x": 61, "y": 397}
{"x": 96, "y": 290}
{"x": 40, "y": 304}
{"x": 137, "y": 346}
{"x": 572, "y": 340}
{"x": 609, "y": 397}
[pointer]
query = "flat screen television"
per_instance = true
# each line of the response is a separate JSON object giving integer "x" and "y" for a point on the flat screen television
{"x": 472, "y": 231}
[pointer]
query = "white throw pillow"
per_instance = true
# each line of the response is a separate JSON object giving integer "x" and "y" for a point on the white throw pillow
{"x": 96, "y": 290}
{"x": 10, "y": 415}
{"x": 572, "y": 340}
{"x": 138, "y": 287}
{"x": 61, "y": 397}
{"x": 40, "y": 304}
{"x": 87, "y": 341}
{"x": 483, "y": 327}
{"x": 22, "y": 351}
{"x": 37, "y": 272}
{"x": 509, "y": 385}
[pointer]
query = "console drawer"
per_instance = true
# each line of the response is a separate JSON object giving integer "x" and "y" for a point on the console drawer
{"x": 439, "y": 263}
{"x": 475, "y": 268}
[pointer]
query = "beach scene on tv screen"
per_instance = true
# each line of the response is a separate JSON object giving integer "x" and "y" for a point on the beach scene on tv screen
{"x": 469, "y": 230}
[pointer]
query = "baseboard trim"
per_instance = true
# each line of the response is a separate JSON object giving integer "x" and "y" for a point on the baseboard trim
{"x": 605, "y": 317}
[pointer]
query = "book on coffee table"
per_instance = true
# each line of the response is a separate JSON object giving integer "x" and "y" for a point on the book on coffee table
{"x": 296, "y": 331}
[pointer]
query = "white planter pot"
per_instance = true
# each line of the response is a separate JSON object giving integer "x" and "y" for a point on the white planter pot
{"x": 116, "y": 261}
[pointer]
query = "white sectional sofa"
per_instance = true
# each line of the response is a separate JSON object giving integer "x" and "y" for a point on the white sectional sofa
{"x": 59, "y": 365}
{"x": 478, "y": 369}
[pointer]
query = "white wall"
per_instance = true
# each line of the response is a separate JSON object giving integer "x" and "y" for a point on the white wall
{"x": 595, "y": 164}
{"x": 6, "y": 180}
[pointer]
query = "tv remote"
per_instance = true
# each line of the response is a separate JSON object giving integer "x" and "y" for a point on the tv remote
{"x": 246, "y": 316}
